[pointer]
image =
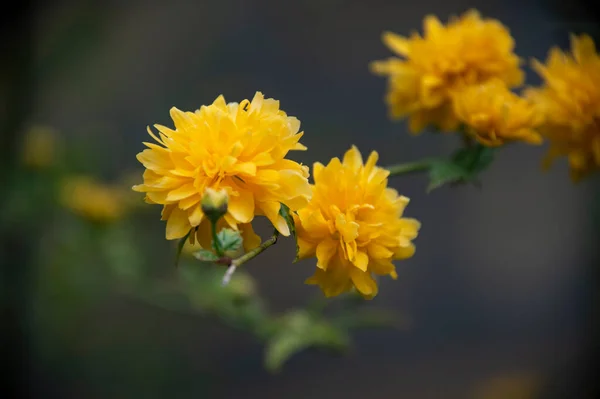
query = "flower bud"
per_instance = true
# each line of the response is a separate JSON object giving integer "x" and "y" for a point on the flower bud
{"x": 214, "y": 203}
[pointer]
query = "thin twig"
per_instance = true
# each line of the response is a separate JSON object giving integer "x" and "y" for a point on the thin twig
{"x": 248, "y": 256}
{"x": 407, "y": 168}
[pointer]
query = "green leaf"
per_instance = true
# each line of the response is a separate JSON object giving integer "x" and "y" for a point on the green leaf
{"x": 445, "y": 172}
{"x": 474, "y": 159}
{"x": 230, "y": 240}
{"x": 205, "y": 255}
{"x": 464, "y": 166}
{"x": 237, "y": 304}
{"x": 180, "y": 245}
{"x": 285, "y": 212}
{"x": 281, "y": 348}
{"x": 300, "y": 330}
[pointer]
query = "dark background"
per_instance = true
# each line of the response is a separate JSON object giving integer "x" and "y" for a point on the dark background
{"x": 503, "y": 280}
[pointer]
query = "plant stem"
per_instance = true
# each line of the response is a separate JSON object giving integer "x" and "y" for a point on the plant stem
{"x": 248, "y": 256}
{"x": 216, "y": 241}
{"x": 410, "y": 167}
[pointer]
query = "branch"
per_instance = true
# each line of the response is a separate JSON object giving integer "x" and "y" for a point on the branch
{"x": 410, "y": 167}
{"x": 248, "y": 256}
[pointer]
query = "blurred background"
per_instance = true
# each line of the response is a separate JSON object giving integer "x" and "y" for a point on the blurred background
{"x": 501, "y": 293}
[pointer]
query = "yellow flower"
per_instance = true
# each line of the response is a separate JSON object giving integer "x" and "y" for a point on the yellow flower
{"x": 353, "y": 225}
{"x": 570, "y": 103}
{"x": 240, "y": 148}
{"x": 93, "y": 200}
{"x": 467, "y": 51}
{"x": 40, "y": 147}
{"x": 494, "y": 115}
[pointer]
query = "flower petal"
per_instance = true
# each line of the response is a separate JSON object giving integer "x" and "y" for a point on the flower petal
{"x": 251, "y": 239}
{"x": 241, "y": 207}
{"x": 364, "y": 283}
{"x": 326, "y": 249}
{"x": 361, "y": 260}
{"x": 178, "y": 224}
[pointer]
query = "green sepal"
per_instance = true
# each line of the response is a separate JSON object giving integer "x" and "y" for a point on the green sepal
{"x": 205, "y": 255}
{"x": 230, "y": 241}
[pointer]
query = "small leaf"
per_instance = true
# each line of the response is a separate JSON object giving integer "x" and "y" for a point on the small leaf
{"x": 474, "y": 159}
{"x": 299, "y": 330}
{"x": 486, "y": 157}
{"x": 285, "y": 212}
{"x": 445, "y": 172}
{"x": 180, "y": 245}
{"x": 464, "y": 166}
{"x": 206, "y": 256}
{"x": 281, "y": 348}
{"x": 230, "y": 240}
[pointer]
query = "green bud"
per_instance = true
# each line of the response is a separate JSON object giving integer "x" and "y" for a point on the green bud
{"x": 214, "y": 204}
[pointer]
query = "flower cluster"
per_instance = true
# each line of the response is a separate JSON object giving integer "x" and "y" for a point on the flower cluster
{"x": 461, "y": 77}
{"x": 467, "y": 51}
{"x": 221, "y": 166}
{"x": 570, "y": 103}
{"x": 348, "y": 219}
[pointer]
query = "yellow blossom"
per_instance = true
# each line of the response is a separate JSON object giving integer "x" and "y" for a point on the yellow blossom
{"x": 40, "y": 147}
{"x": 469, "y": 50}
{"x": 494, "y": 115}
{"x": 353, "y": 225}
{"x": 570, "y": 102}
{"x": 240, "y": 148}
{"x": 93, "y": 200}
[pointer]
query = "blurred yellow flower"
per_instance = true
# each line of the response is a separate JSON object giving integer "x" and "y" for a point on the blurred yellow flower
{"x": 93, "y": 200}
{"x": 570, "y": 103}
{"x": 494, "y": 115}
{"x": 353, "y": 225}
{"x": 467, "y": 51}
{"x": 509, "y": 386}
{"x": 241, "y": 148}
{"x": 39, "y": 147}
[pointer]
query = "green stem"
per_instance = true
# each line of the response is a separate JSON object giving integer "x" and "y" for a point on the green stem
{"x": 410, "y": 167}
{"x": 216, "y": 241}
{"x": 248, "y": 256}
{"x": 255, "y": 252}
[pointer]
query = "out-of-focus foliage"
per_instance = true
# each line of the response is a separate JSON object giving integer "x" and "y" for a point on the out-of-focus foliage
{"x": 92, "y": 250}
{"x": 463, "y": 166}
